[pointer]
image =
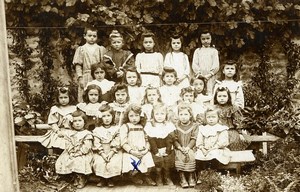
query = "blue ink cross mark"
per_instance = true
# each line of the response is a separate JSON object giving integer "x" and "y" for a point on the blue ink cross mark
{"x": 135, "y": 164}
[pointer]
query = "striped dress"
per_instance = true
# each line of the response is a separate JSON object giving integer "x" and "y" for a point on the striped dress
{"x": 185, "y": 135}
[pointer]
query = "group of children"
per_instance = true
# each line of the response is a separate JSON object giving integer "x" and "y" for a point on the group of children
{"x": 146, "y": 114}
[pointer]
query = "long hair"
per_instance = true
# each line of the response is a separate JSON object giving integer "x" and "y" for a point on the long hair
{"x": 86, "y": 93}
{"x": 96, "y": 66}
{"x": 136, "y": 108}
{"x": 65, "y": 90}
{"x": 145, "y": 100}
{"x": 133, "y": 69}
{"x": 236, "y": 75}
{"x": 220, "y": 89}
{"x": 120, "y": 86}
{"x": 199, "y": 77}
{"x": 185, "y": 106}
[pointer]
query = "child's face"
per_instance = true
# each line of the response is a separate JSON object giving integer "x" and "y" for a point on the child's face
{"x": 106, "y": 118}
{"x": 212, "y": 117}
{"x": 169, "y": 78}
{"x": 160, "y": 115}
{"x": 78, "y": 123}
{"x": 205, "y": 39}
{"x": 134, "y": 117}
{"x": 188, "y": 97}
{"x": 90, "y": 37}
{"x": 198, "y": 84}
{"x": 229, "y": 71}
{"x": 117, "y": 43}
{"x": 222, "y": 97}
{"x": 131, "y": 78}
{"x": 63, "y": 99}
{"x": 99, "y": 74}
{"x": 176, "y": 44}
{"x": 148, "y": 43}
{"x": 121, "y": 96}
{"x": 184, "y": 116}
{"x": 93, "y": 95}
{"x": 152, "y": 96}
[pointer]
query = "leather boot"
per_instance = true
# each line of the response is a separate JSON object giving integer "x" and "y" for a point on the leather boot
{"x": 183, "y": 181}
{"x": 167, "y": 178}
{"x": 192, "y": 181}
{"x": 148, "y": 180}
{"x": 158, "y": 178}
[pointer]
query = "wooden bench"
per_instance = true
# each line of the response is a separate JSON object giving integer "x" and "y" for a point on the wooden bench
{"x": 239, "y": 158}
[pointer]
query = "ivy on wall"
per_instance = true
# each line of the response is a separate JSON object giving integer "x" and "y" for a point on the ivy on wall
{"x": 236, "y": 26}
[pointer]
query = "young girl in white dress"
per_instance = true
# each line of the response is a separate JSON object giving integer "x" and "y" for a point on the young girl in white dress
{"x": 86, "y": 55}
{"x": 206, "y": 61}
{"x": 58, "y": 118}
{"x": 179, "y": 61}
{"x": 90, "y": 106}
{"x": 229, "y": 79}
{"x": 133, "y": 81}
{"x": 134, "y": 141}
{"x": 152, "y": 97}
{"x": 77, "y": 156}
{"x": 170, "y": 93}
{"x": 107, "y": 162}
{"x": 212, "y": 142}
{"x": 98, "y": 73}
{"x": 149, "y": 63}
{"x": 160, "y": 134}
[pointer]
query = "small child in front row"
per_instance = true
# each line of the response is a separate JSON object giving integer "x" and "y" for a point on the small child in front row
{"x": 229, "y": 79}
{"x": 107, "y": 162}
{"x": 170, "y": 93}
{"x": 199, "y": 84}
{"x": 120, "y": 103}
{"x": 58, "y": 118}
{"x": 160, "y": 135}
{"x": 149, "y": 63}
{"x": 98, "y": 72}
{"x": 90, "y": 106}
{"x": 134, "y": 141}
{"x": 133, "y": 81}
{"x": 212, "y": 142}
{"x": 77, "y": 156}
{"x": 185, "y": 140}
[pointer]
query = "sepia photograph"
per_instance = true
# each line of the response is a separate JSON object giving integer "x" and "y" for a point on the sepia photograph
{"x": 148, "y": 95}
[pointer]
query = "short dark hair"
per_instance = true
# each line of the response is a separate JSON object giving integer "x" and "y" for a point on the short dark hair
{"x": 96, "y": 66}
{"x": 120, "y": 86}
{"x": 79, "y": 113}
{"x": 90, "y": 28}
{"x": 169, "y": 70}
{"x": 234, "y": 63}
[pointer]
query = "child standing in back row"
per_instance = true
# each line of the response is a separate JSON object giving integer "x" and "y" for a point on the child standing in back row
{"x": 206, "y": 61}
{"x": 179, "y": 61}
{"x": 149, "y": 63}
{"x": 117, "y": 60}
{"x": 86, "y": 55}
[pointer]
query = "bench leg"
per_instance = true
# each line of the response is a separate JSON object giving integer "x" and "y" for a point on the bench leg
{"x": 238, "y": 168}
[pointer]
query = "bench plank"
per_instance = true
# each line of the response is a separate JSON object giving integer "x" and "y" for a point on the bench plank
{"x": 27, "y": 138}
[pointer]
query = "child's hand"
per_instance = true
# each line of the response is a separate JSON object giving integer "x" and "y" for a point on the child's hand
{"x": 60, "y": 133}
{"x": 136, "y": 154}
{"x": 110, "y": 155}
{"x": 157, "y": 154}
{"x": 208, "y": 76}
{"x": 80, "y": 82}
{"x": 104, "y": 156}
{"x": 204, "y": 151}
